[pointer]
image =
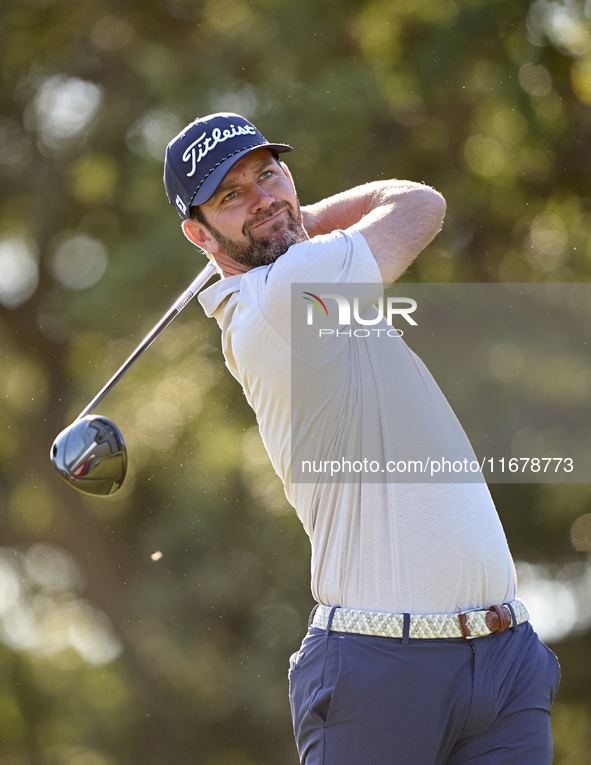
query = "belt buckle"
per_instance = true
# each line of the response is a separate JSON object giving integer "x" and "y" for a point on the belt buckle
{"x": 498, "y": 619}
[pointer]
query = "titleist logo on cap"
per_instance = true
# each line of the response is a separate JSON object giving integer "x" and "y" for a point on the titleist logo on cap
{"x": 198, "y": 158}
{"x": 207, "y": 144}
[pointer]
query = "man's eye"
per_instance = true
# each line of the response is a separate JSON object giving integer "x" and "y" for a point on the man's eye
{"x": 229, "y": 197}
{"x": 266, "y": 174}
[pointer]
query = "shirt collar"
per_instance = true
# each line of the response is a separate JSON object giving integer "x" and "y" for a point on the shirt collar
{"x": 214, "y": 296}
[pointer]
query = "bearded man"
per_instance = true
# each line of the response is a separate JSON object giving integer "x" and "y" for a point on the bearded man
{"x": 418, "y": 651}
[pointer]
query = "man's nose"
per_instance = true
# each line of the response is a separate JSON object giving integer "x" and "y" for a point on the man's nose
{"x": 259, "y": 199}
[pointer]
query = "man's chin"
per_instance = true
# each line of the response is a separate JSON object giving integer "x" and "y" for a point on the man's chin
{"x": 265, "y": 247}
{"x": 265, "y": 244}
{"x": 268, "y": 248}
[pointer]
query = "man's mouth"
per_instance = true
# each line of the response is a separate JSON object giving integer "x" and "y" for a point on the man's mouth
{"x": 268, "y": 220}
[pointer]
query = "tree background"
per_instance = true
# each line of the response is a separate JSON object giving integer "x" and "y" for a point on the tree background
{"x": 111, "y": 654}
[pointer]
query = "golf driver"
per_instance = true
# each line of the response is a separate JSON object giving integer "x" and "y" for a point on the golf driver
{"x": 90, "y": 454}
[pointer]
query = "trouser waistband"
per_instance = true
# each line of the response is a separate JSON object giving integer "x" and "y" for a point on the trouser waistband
{"x": 468, "y": 624}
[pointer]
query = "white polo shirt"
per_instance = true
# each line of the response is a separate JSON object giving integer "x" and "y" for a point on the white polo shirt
{"x": 376, "y": 544}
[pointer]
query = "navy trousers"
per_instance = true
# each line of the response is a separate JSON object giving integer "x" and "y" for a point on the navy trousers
{"x": 362, "y": 700}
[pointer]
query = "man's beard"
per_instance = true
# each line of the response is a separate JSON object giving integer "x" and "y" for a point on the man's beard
{"x": 264, "y": 249}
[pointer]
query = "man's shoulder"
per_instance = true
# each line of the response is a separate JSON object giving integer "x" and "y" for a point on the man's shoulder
{"x": 318, "y": 259}
{"x": 335, "y": 257}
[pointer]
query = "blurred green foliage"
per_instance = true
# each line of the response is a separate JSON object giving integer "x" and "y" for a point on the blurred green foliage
{"x": 110, "y": 653}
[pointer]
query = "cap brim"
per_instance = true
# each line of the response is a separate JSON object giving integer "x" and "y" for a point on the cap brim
{"x": 213, "y": 180}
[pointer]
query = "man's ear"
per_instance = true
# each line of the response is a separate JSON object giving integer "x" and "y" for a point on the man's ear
{"x": 288, "y": 173}
{"x": 198, "y": 235}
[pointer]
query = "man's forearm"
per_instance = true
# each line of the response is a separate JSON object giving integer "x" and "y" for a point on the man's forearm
{"x": 349, "y": 207}
{"x": 398, "y": 219}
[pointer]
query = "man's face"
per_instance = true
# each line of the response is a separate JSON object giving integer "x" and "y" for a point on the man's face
{"x": 255, "y": 216}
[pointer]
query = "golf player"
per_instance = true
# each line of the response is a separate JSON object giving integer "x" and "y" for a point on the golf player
{"x": 419, "y": 651}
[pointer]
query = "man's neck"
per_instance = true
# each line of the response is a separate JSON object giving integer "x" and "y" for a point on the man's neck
{"x": 228, "y": 266}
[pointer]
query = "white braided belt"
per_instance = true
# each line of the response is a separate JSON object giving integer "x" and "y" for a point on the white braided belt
{"x": 429, "y": 626}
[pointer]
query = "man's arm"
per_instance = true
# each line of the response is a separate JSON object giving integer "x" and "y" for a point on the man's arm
{"x": 397, "y": 218}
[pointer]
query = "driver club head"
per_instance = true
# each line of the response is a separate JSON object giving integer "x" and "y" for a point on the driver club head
{"x": 90, "y": 455}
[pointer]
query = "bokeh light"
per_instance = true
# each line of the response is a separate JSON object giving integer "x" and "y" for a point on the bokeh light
{"x": 19, "y": 273}
{"x": 64, "y": 107}
{"x": 79, "y": 261}
{"x": 150, "y": 135}
{"x": 506, "y": 362}
{"x": 484, "y": 155}
{"x": 558, "y": 599}
{"x": 94, "y": 178}
{"x": 535, "y": 79}
{"x": 580, "y": 533}
{"x": 41, "y": 611}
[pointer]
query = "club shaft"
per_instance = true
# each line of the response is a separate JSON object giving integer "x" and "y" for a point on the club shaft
{"x": 189, "y": 293}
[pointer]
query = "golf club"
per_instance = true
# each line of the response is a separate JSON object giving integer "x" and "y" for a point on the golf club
{"x": 90, "y": 454}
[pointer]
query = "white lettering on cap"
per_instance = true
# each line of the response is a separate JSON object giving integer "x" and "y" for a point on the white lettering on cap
{"x": 210, "y": 142}
{"x": 180, "y": 204}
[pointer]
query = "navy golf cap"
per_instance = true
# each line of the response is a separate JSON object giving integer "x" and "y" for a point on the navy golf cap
{"x": 200, "y": 156}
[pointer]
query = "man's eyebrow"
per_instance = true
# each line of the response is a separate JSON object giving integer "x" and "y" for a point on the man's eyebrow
{"x": 226, "y": 186}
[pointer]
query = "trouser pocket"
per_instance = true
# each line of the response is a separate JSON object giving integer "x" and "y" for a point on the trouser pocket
{"x": 313, "y": 678}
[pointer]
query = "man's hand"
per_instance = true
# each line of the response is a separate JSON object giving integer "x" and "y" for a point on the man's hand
{"x": 397, "y": 218}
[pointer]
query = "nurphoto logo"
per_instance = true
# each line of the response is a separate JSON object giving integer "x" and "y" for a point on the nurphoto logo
{"x": 395, "y": 306}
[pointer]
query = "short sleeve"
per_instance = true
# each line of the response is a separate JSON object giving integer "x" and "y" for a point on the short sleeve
{"x": 340, "y": 262}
